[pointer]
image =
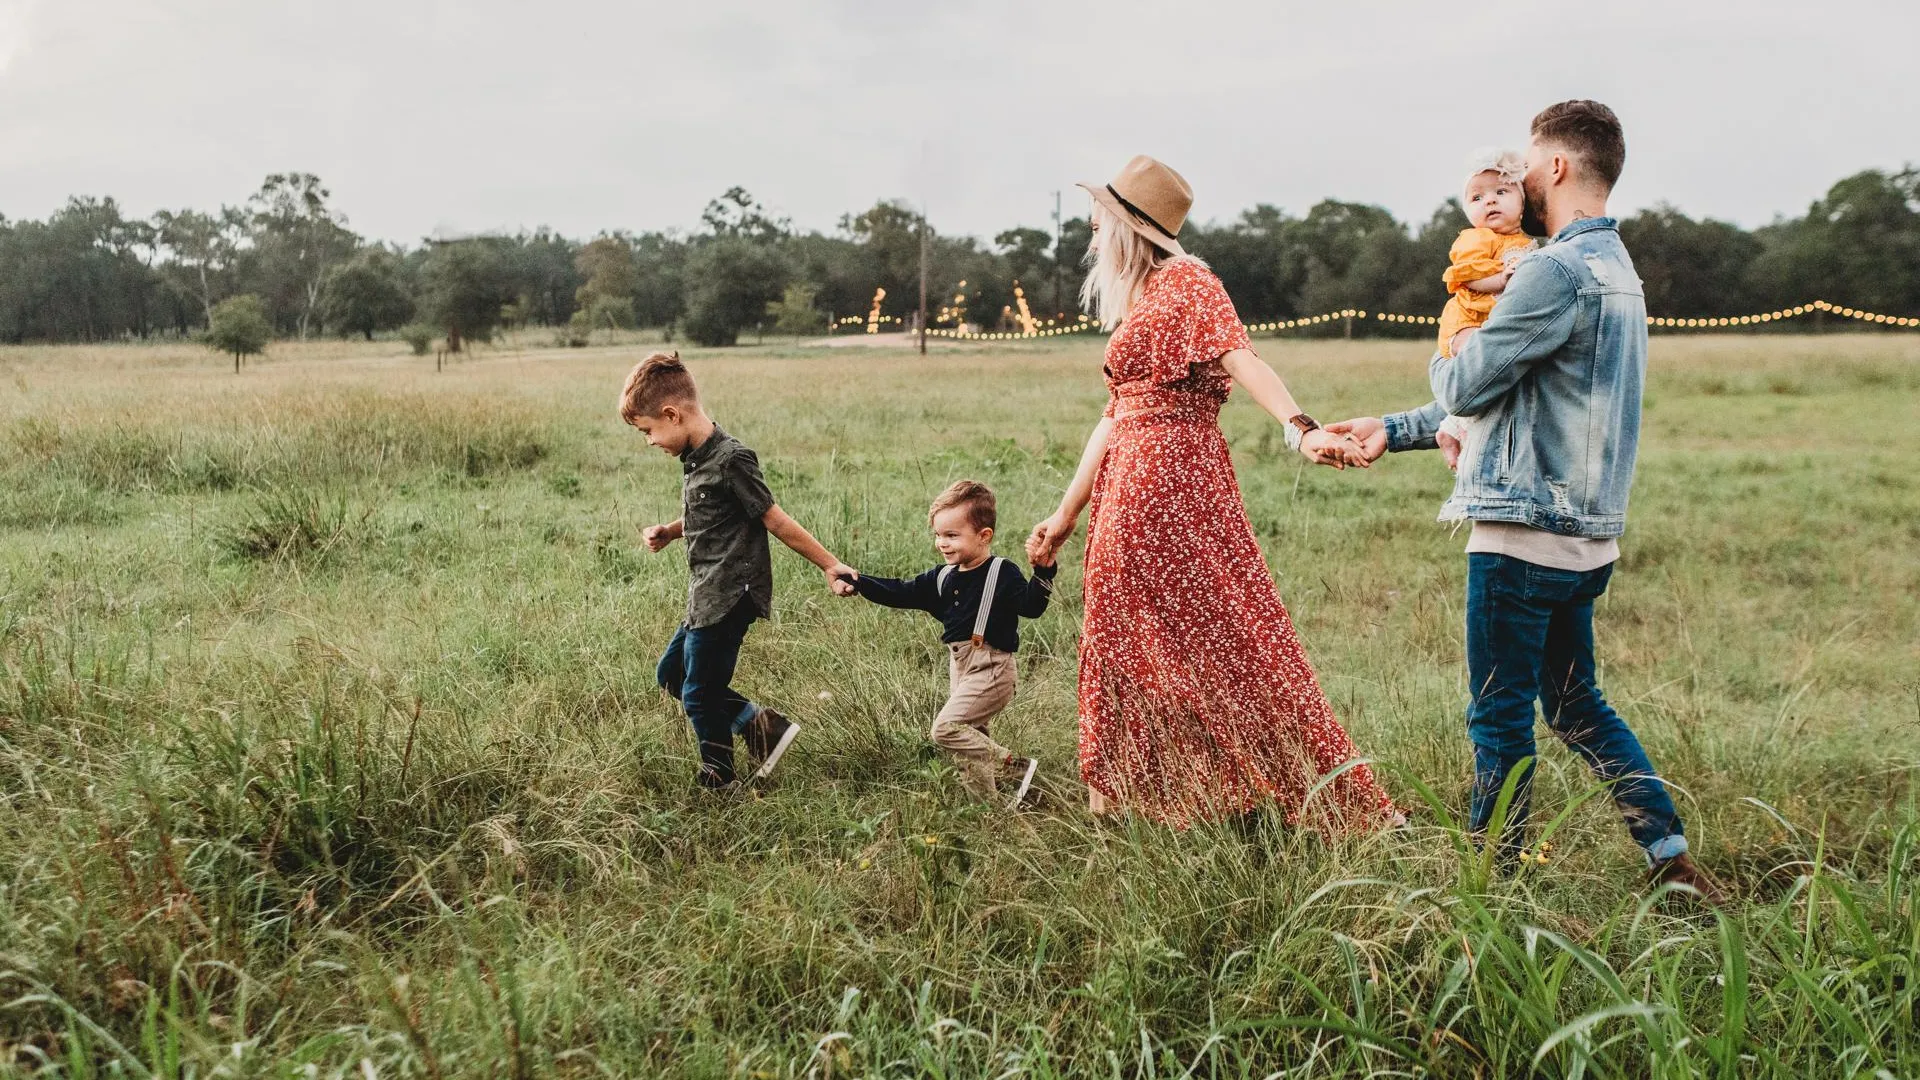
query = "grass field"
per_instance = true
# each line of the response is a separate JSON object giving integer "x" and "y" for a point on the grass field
{"x": 329, "y": 745}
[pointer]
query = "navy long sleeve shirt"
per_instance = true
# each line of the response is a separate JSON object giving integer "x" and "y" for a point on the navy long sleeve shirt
{"x": 957, "y": 606}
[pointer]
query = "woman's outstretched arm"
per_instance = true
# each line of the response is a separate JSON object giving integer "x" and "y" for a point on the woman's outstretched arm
{"x": 1269, "y": 391}
{"x": 1050, "y": 534}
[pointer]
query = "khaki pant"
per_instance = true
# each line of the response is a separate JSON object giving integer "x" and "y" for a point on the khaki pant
{"x": 983, "y": 683}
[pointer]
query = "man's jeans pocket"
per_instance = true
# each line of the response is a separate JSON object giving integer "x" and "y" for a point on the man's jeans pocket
{"x": 1551, "y": 585}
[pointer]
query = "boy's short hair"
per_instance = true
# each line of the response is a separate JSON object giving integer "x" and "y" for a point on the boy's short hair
{"x": 972, "y": 494}
{"x": 1589, "y": 131}
{"x": 655, "y": 383}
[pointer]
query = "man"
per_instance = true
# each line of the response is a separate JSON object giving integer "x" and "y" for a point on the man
{"x": 1553, "y": 380}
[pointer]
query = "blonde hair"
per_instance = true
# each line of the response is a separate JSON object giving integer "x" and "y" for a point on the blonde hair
{"x": 972, "y": 494}
{"x": 655, "y": 383}
{"x": 1117, "y": 262}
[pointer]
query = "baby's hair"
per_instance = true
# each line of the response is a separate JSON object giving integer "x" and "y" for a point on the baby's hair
{"x": 972, "y": 494}
{"x": 655, "y": 383}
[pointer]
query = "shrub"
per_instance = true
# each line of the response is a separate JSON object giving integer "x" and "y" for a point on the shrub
{"x": 419, "y": 336}
{"x": 287, "y": 525}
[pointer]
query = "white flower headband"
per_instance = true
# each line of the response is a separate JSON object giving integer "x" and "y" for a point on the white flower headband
{"x": 1511, "y": 165}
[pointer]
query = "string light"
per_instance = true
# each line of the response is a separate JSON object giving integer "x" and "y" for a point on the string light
{"x": 1085, "y": 323}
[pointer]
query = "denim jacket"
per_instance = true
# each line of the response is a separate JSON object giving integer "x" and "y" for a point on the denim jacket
{"x": 1555, "y": 376}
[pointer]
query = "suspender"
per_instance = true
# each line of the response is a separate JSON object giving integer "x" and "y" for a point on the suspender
{"x": 986, "y": 595}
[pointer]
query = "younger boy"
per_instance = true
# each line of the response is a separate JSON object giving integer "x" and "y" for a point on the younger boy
{"x": 726, "y": 514}
{"x": 980, "y": 598}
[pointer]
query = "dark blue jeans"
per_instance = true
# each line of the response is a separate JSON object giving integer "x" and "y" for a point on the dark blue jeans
{"x": 1530, "y": 637}
{"x": 697, "y": 669}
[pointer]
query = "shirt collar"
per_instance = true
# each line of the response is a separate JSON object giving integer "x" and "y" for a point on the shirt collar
{"x": 695, "y": 456}
{"x": 1586, "y": 224}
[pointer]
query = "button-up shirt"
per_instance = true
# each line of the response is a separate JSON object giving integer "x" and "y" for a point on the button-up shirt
{"x": 723, "y": 498}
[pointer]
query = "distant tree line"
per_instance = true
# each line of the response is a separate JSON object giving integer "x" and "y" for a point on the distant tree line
{"x": 90, "y": 273}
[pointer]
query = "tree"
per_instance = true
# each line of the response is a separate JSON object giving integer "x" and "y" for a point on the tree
{"x": 731, "y": 282}
{"x": 464, "y": 286}
{"x": 1029, "y": 258}
{"x": 738, "y": 215}
{"x": 1690, "y": 268}
{"x": 794, "y": 312}
{"x": 541, "y": 266}
{"x": 204, "y": 249}
{"x": 659, "y": 265}
{"x": 367, "y": 293}
{"x": 239, "y": 326}
{"x": 297, "y": 239}
{"x": 607, "y": 265}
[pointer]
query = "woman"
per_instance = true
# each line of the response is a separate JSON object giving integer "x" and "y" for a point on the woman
{"x": 1196, "y": 699}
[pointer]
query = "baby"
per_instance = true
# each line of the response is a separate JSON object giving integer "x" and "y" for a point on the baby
{"x": 1483, "y": 257}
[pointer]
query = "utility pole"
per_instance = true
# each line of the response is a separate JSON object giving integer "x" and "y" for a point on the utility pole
{"x": 923, "y": 281}
{"x": 1058, "y": 239}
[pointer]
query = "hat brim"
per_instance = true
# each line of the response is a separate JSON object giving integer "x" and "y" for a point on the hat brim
{"x": 1153, "y": 236}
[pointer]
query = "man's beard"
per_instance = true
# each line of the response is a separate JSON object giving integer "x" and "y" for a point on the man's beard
{"x": 1533, "y": 213}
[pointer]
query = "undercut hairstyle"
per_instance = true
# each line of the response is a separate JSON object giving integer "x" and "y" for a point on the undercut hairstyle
{"x": 1589, "y": 131}
{"x": 972, "y": 494}
{"x": 655, "y": 383}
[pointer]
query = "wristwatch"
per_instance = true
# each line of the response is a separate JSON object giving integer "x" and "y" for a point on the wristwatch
{"x": 1297, "y": 428}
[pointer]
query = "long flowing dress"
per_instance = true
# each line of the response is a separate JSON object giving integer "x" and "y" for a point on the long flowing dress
{"x": 1196, "y": 698}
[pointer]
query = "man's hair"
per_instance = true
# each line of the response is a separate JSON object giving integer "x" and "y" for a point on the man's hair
{"x": 972, "y": 494}
{"x": 655, "y": 383}
{"x": 1589, "y": 131}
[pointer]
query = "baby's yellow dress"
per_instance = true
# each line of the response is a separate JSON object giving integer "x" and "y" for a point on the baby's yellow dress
{"x": 1476, "y": 254}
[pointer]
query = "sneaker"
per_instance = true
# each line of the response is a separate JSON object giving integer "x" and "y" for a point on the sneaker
{"x": 768, "y": 735}
{"x": 1024, "y": 768}
{"x": 1682, "y": 870}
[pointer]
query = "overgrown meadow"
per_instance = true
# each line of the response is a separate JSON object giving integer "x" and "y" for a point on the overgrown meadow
{"x": 329, "y": 744}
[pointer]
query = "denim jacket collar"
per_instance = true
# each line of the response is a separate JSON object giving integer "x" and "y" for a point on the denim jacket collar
{"x": 1586, "y": 224}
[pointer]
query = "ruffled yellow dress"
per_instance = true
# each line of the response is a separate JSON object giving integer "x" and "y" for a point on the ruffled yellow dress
{"x": 1476, "y": 254}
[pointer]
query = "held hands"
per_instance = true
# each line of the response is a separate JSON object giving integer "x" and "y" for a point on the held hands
{"x": 1325, "y": 446}
{"x": 1369, "y": 434}
{"x": 840, "y": 578}
{"x": 658, "y": 537}
{"x": 1048, "y": 536}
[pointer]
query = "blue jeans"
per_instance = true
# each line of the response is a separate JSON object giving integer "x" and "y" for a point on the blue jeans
{"x": 697, "y": 669}
{"x": 1530, "y": 637}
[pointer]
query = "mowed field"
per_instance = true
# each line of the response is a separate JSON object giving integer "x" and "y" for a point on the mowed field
{"x": 329, "y": 744}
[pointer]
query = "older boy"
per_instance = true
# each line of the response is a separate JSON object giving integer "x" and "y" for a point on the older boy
{"x": 726, "y": 515}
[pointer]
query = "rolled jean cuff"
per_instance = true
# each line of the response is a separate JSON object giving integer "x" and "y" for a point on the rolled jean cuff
{"x": 750, "y": 710}
{"x": 1667, "y": 847}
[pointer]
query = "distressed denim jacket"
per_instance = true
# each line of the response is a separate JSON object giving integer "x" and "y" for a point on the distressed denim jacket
{"x": 1553, "y": 383}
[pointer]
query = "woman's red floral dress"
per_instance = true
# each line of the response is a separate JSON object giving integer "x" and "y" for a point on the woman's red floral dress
{"x": 1196, "y": 699}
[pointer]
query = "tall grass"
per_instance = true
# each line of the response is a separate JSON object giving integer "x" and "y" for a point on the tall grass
{"x": 350, "y": 763}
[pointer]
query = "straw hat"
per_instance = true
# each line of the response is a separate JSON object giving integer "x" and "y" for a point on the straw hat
{"x": 1149, "y": 197}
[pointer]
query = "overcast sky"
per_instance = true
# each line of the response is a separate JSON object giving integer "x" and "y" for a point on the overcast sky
{"x": 592, "y": 114}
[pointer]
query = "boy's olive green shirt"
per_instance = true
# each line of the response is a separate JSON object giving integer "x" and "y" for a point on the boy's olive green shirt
{"x": 723, "y": 498}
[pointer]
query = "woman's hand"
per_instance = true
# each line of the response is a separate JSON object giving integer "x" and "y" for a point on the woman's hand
{"x": 1049, "y": 536}
{"x": 1323, "y": 447}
